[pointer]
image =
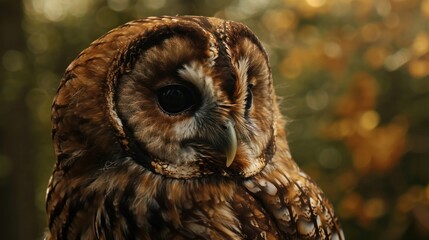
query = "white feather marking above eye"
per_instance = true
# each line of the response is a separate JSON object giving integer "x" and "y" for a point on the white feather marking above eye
{"x": 242, "y": 67}
{"x": 194, "y": 73}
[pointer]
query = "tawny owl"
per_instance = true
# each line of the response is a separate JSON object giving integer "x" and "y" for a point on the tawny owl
{"x": 168, "y": 128}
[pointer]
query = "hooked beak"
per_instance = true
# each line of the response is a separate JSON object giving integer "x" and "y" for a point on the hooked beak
{"x": 231, "y": 143}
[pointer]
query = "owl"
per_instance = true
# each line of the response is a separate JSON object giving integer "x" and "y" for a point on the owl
{"x": 169, "y": 128}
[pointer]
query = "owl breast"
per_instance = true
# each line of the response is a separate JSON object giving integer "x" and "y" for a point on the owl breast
{"x": 169, "y": 128}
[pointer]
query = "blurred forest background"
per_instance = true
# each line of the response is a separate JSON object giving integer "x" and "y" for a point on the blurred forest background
{"x": 353, "y": 74}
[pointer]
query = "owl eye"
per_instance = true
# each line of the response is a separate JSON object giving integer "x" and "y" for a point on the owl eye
{"x": 249, "y": 97}
{"x": 176, "y": 98}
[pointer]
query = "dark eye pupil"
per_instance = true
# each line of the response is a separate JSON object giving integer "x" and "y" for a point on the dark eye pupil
{"x": 175, "y": 98}
{"x": 249, "y": 97}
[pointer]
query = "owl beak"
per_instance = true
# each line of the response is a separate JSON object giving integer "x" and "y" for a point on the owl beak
{"x": 231, "y": 148}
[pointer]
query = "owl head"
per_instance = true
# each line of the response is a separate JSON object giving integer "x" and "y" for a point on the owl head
{"x": 169, "y": 127}
{"x": 182, "y": 97}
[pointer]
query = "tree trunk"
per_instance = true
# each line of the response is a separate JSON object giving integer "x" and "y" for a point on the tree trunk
{"x": 18, "y": 218}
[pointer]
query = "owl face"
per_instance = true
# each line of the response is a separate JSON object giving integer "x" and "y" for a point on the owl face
{"x": 195, "y": 102}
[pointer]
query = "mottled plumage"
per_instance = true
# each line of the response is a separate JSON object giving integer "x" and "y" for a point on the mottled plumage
{"x": 168, "y": 128}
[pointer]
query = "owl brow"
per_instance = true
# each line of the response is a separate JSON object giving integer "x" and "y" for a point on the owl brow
{"x": 193, "y": 73}
{"x": 242, "y": 67}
